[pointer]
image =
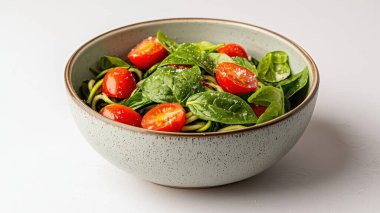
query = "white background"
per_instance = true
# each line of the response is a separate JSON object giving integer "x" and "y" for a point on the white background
{"x": 47, "y": 166}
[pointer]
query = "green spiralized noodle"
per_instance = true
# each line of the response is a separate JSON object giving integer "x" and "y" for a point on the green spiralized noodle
{"x": 205, "y": 127}
{"x": 99, "y": 97}
{"x": 102, "y": 74}
{"x": 94, "y": 91}
{"x": 216, "y": 87}
{"x": 139, "y": 83}
{"x": 90, "y": 84}
{"x": 209, "y": 78}
{"x": 230, "y": 128}
{"x": 189, "y": 114}
{"x": 137, "y": 71}
{"x": 193, "y": 127}
{"x": 191, "y": 119}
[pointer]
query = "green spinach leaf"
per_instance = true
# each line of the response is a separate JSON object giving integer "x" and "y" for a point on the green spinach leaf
{"x": 189, "y": 54}
{"x": 274, "y": 67}
{"x": 107, "y": 62}
{"x": 294, "y": 83}
{"x": 84, "y": 91}
{"x": 221, "y": 107}
{"x": 219, "y": 58}
{"x": 245, "y": 63}
{"x": 215, "y": 126}
{"x": 273, "y": 98}
{"x": 208, "y": 46}
{"x": 168, "y": 43}
{"x": 169, "y": 84}
{"x": 255, "y": 61}
{"x": 151, "y": 70}
{"x": 137, "y": 100}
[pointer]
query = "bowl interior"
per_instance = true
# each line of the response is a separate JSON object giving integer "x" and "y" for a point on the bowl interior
{"x": 119, "y": 42}
{"x": 256, "y": 40}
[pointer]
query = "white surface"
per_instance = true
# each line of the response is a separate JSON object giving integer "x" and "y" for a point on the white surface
{"x": 47, "y": 166}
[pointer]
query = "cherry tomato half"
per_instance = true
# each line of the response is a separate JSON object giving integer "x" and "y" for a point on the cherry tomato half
{"x": 233, "y": 50}
{"x": 169, "y": 117}
{"x": 118, "y": 83}
{"x": 235, "y": 79}
{"x": 121, "y": 113}
{"x": 259, "y": 110}
{"x": 147, "y": 53}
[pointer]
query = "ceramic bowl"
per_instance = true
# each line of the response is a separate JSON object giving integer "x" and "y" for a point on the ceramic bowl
{"x": 190, "y": 159}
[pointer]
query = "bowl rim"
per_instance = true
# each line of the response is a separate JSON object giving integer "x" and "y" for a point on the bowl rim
{"x": 313, "y": 69}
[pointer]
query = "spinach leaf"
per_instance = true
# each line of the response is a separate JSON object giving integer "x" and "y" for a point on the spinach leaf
{"x": 189, "y": 54}
{"x": 215, "y": 126}
{"x": 221, "y": 107}
{"x": 255, "y": 61}
{"x": 274, "y": 67}
{"x": 245, "y": 63}
{"x": 166, "y": 42}
{"x": 151, "y": 70}
{"x": 94, "y": 70}
{"x": 294, "y": 83}
{"x": 273, "y": 98}
{"x": 170, "y": 84}
{"x": 208, "y": 46}
{"x": 137, "y": 100}
{"x": 299, "y": 96}
{"x": 84, "y": 91}
{"x": 219, "y": 58}
{"x": 107, "y": 62}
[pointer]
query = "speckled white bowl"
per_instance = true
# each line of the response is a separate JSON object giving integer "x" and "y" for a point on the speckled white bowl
{"x": 190, "y": 159}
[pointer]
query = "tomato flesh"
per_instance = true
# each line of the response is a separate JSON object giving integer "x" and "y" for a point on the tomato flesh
{"x": 147, "y": 53}
{"x": 233, "y": 50}
{"x": 122, "y": 114}
{"x": 259, "y": 110}
{"x": 118, "y": 83}
{"x": 235, "y": 79}
{"x": 169, "y": 117}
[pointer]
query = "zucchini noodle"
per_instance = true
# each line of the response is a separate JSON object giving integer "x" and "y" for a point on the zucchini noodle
{"x": 91, "y": 84}
{"x": 215, "y": 86}
{"x": 99, "y": 97}
{"x": 198, "y": 126}
{"x": 209, "y": 78}
{"x": 193, "y": 127}
{"x": 101, "y": 74}
{"x": 191, "y": 119}
{"x": 139, "y": 83}
{"x": 94, "y": 90}
{"x": 205, "y": 127}
{"x": 189, "y": 114}
{"x": 137, "y": 71}
{"x": 211, "y": 81}
{"x": 230, "y": 128}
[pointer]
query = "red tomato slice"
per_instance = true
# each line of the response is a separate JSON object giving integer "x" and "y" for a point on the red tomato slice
{"x": 169, "y": 117}
{"x": 118, "y": 83}
{"x": 233, "y": 50}
{"x": 147, "y": 53}
{"x": 122, "y": 114}
{"x": 259, "y": 110}
{"x": 235, "y": 79}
